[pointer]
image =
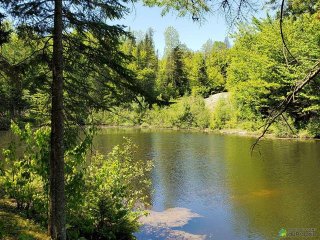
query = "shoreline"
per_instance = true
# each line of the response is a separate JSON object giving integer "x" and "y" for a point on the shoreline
{"x": 235, "y": 132}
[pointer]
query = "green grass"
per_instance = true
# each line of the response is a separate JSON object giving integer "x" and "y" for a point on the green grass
{"x": 16, "y": 226}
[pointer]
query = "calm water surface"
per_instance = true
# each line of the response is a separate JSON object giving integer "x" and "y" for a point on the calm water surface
{"x": 231, "y": 194}
{"x": 236, "y": 195}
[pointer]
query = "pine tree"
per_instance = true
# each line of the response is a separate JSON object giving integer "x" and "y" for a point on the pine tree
{"x": 172, "y": 78}
{"x": 80, "y": 35}
{"x": 179, "y": 76}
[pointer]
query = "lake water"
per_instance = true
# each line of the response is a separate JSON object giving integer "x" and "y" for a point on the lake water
{"x": 211, "y": 187}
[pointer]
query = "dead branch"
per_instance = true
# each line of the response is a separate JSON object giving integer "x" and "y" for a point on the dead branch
{"x": 313, "y": 73}
{"x": 282, "y": 33}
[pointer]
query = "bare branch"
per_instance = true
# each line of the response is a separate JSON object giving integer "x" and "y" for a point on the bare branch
{"x": 313, "y": 73}
{"x": 281, "y": 31}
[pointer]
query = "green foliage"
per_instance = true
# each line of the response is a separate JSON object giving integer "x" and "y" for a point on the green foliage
{"x": 195, "y": 8}
{"x": 283, "y": 127}
{"x": 15, "y": 73}
{"x": 172, "y": 79}
{"x": 112, "y": 195}
{"x": 103, "y": 200}
{"x": 187, "y": 112}
{"x": 129, "y": 115}
{"x": 261, "y": 72}
{"x": 207, "y": 69}
{"x": 178, "y": 115}
{"x": 221, "y": 115}
{"x": 311, "y": 129}
{"x": 227, "y": 114}
{"x": 25, "y": 177}
{"x": 145, "y": 61}
{"x": 96, "y": 70}
{"x": 297, "y": 7}
{"x": 25, "y": 87}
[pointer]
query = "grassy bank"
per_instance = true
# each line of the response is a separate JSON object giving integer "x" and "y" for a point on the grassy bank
{"x": 15, "y": 225}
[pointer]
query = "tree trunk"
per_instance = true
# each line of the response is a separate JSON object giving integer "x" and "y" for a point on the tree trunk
{"x": 57, "y": 220}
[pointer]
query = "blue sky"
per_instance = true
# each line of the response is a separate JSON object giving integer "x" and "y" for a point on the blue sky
{"x": 191, "y": 33}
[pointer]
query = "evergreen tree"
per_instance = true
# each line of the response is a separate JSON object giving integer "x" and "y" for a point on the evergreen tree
{"x": 93, "y": 45}
{"x": 172, "y": 79}
{"x": 12, "y": 76}
{"x": 179, "y": 76}
{"x": 145, "y": 61}
{"x": 203, "y": 79}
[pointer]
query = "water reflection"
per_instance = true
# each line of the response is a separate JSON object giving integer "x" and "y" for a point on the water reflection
{"x": 278, "y": 189}
{"x": 239, "y": 196}
{"x": 236, "y": 195}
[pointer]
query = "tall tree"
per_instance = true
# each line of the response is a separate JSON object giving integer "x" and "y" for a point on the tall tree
{"x": 206, "y": 48}
{"x": 172, "y": 81}
{"x": 234, "y": 10}
{"x": 145, "y": 60}
{"x": 172, "y": 40}
{"x": 172, "y": 77}
{"x": 203, "y": 79}
{"x": 57, "y": 218}
{"x": 179, "y": 76}
{"x": 80, "y": 34}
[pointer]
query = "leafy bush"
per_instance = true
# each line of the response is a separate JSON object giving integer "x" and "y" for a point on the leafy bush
{"x": 105, "y": 196}
{"x": 283, "y": 127}
{"x": 187, "y": 112}
{"x": 25, "y": 175}
{"x": 222, "y": 115}
{"x": 128, "y": 115}
{"x": 112, "y": 203}
{"x": 311, "y": 129}
{"x": 260, "y": 76}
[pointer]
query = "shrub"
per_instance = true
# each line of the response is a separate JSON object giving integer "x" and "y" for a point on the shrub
{"x": 187, "y": 112}
{"x": 25, "y": 175}
{"x": 311, "y": 129}
{"x": 283, "y": 127}
{"x": 221, "y": 115}
{"x": 128, "y": 115}
{"x": 103, "y": 200}
{"x": 112, "y": 203}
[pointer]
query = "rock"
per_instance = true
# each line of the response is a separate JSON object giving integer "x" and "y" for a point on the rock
{"x": 212, "y": 101}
